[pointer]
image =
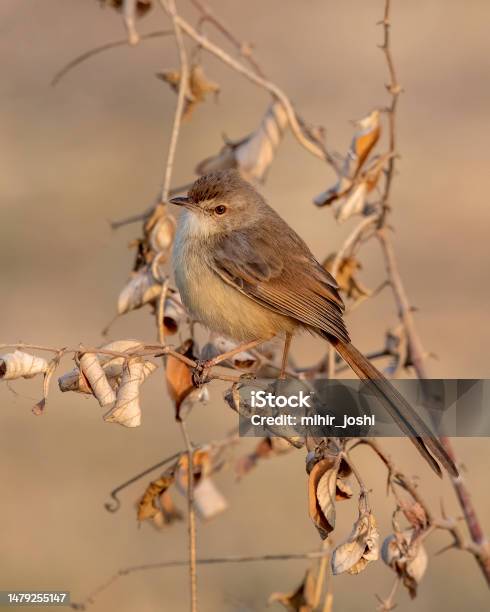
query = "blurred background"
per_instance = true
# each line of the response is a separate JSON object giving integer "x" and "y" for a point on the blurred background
{"x": 93, "y": 149}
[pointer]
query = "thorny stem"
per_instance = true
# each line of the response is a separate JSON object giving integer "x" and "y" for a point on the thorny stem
{"x": 416, "y": 351}
{"x": 394, "y": 90}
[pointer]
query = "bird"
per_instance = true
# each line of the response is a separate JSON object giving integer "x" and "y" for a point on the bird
{"x": 244, "y": 273}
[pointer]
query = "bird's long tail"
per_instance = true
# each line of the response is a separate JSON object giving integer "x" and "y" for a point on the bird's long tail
{"x": 404, "y": 415}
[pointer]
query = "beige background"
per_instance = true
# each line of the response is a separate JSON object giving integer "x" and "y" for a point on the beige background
{"x": 93, "y": 149}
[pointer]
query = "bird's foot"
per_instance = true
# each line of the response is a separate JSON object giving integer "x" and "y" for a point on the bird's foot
{"x": 200, "y": 374}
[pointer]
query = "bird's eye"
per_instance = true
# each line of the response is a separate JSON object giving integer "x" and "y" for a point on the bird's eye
{"x": 220, "y": 210}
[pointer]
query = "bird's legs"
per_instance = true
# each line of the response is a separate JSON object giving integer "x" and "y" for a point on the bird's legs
{"x": 285, "y": 353}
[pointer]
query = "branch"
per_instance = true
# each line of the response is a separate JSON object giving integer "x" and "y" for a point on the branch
{"x": 245, "y": 49}
{"x": 80, "y": 59}
{"x": 315, "y": 147}
{"x": 90, "y": 599}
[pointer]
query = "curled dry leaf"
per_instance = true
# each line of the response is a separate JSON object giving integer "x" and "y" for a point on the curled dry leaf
{"x": 265, "y": 449}
{"x": 74, "y": 380}
{"x": 21, "y": 365}
{"x": 95, "y": 376}
{"x": 157, "y": 505}
{"x": 345, "y": 277}
{"x": 139, "y": 290}
{"x": 406, "y": 555}
{"x": 174, "y": 315}
{"x": 362, "y": 546}
{"x": 301, "y": 599}
{"x": 218, "y": 345}
{"x": 126, "y": 410}
{"x": 179, "y": 380}
{"x": 328, "y": 482}
{"x": 253, "y": 154}
{"x": 365, "y": 138}
{"x": 161, "y": 235}
{"x": 197, "y": 88}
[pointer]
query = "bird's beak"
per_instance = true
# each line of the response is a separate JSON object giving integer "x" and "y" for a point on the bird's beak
{"x": 183, "y": 201}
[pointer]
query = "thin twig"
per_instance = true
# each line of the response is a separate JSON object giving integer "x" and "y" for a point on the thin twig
{"x": 245, "y": 49}
{"x": 191, "y": 517}
{"x": 116, "y": 503}
{"x": 169, "y": 6}
{"x": 315, "y": 147}
{"x": 80, "y": 59}
{"x": 90, "y": 599}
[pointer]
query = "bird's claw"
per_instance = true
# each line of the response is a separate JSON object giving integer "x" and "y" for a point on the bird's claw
{"x": 200, "y": 374}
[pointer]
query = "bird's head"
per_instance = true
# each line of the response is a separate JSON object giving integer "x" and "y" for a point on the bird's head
{"x": 221, "y": 202}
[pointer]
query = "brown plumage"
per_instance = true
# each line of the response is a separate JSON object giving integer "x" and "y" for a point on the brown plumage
{"x": 243, "y": 272}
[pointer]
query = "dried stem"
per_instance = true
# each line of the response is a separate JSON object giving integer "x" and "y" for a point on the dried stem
{"x": 90, "y": 599}
{"x": 169, "y": 6}
{"x": 315, "y": 147}
{"x": 245, "y": 49}
{"x": 80, "y": 59}
{"x": 191, "y": 517}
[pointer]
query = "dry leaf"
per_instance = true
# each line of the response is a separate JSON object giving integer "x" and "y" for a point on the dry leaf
{"x": 74, "y": 380}
{"x": 253, "y": 154}
{"x": 345, "y": 276}
{"x": 353, "y": 204}
{"x": 161, "y": 235}
{"x": 362, "y": 546}
{"x": 156, "y": 503}
{"x": 21, "y": 365}
{"x": 364, "y": 139}
{"x": 95, "y": 376}
{"x": 405, "y": 553}
{"x": 139, "y": 290}
{"x": 197, "y": 88}
{"x": 179, "y": 375}
{"x": 126, "y": 410}
{"x": 300, "y": 600}
{"x": 321, "y": 497}
{"x": 174, "y": 315}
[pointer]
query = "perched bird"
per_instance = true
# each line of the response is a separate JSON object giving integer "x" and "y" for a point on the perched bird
{"x": 244, "y": 273}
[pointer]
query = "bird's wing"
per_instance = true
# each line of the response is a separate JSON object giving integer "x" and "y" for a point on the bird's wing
{"x": 280, "y": 273}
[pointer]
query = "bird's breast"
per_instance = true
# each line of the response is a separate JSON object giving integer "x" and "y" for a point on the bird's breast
{"x": 215, "y": 303}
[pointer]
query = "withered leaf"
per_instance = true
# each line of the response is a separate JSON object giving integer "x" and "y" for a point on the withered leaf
{"x": 140, "y": 289}
{"x": 301, "y": 599}
{"x": 322, "y": 483}
{"x": 361, "y": 547}
{"x": 156, "y": 503}
{"x": 179, "y": 376}
{"x": 197, "y": 88}
{"x": 126, "y": 410}
{"x": 254, "y": 154}
{"x": 345, "y": 276}
{"x": 21, "y": 365}
{"x": 365, "y": 138}
{"x": 406, "y": 555}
